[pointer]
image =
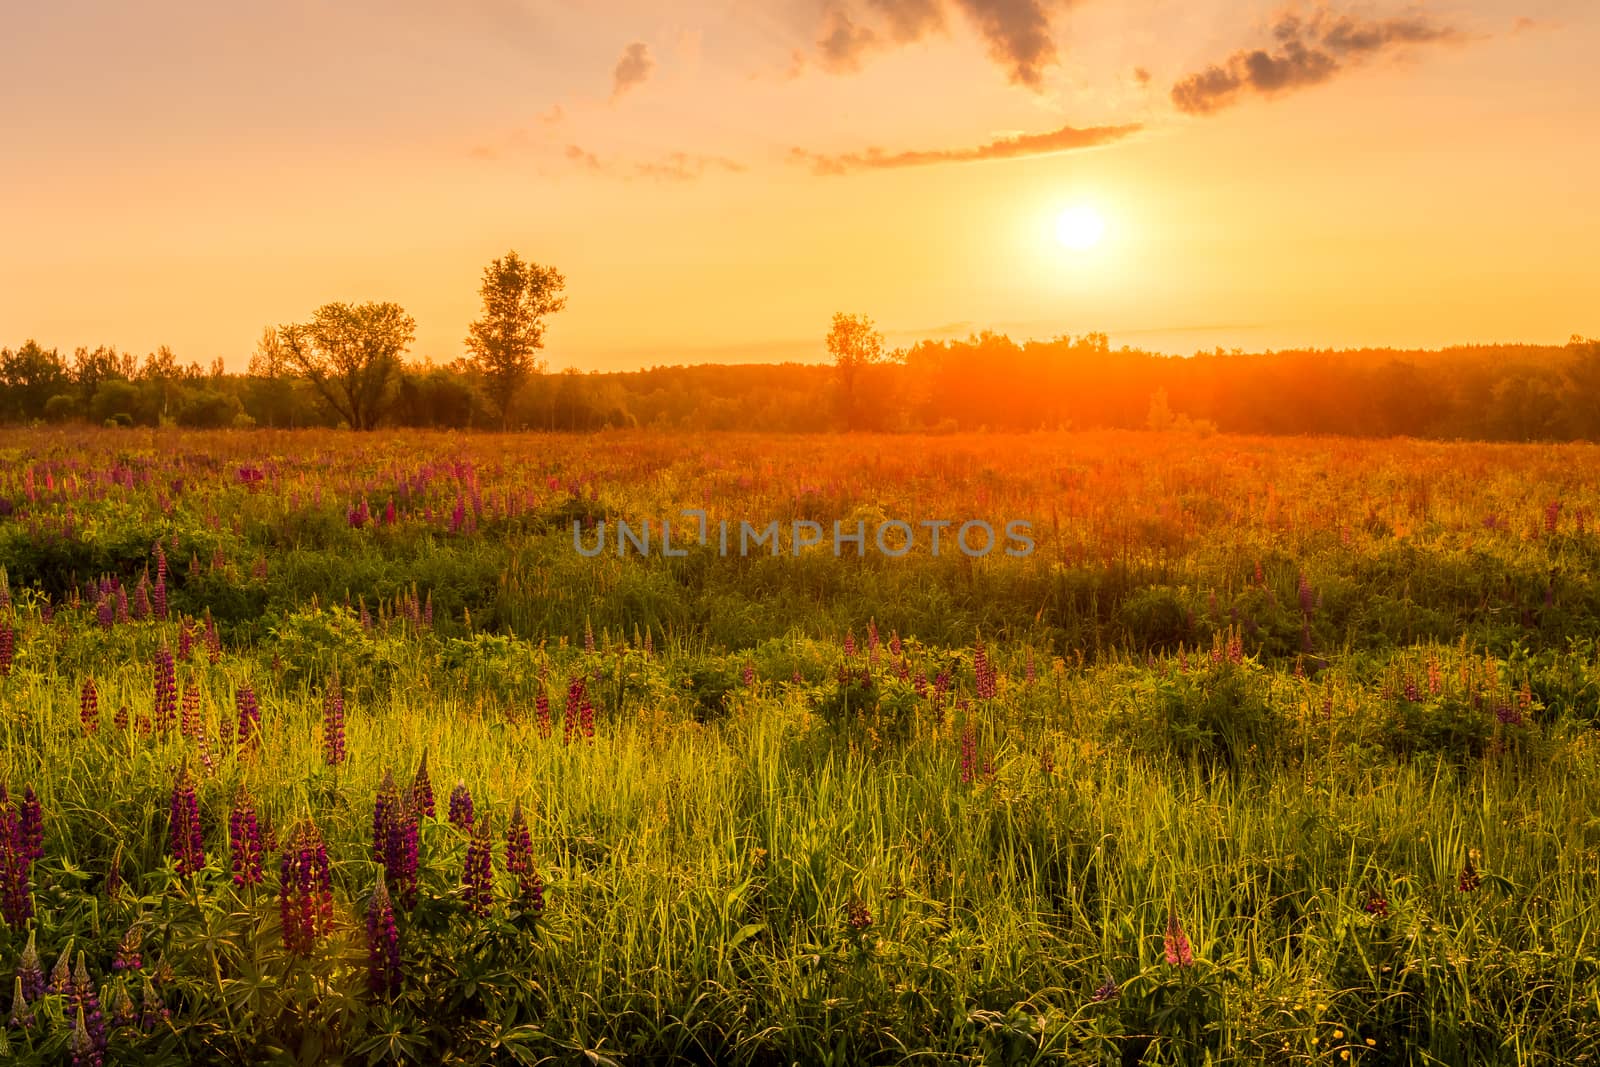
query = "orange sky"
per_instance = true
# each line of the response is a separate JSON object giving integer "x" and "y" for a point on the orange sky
{"x": 704, "y": 172}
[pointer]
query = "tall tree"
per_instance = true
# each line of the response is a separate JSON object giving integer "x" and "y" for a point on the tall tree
{"x": 855, "y": 344}
{"x": 516, "y": 298}
{"x": 30, "y": 376}
{"x": 350, "y": 355}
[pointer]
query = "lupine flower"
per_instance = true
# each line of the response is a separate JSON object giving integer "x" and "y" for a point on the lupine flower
{"x": 858, "y": 915}
{"x": 586, "y": 718}
{"x": 16, "y": 867}
{"x": 984, "y": 673}
{"x": 541, "y": 705}
{"x": 61, "y": 974}
{"x": 1308, "y": 599}
{"x": 30, "y": 826}
{"x": 166, "y": 687}
{"x": 160, "y": 600}
{"x": 189, "y": 717}
{"x": 141, "y": 598}
{"x": 1376, "y": 905}
{"x": 588, "y": 635}
{"x": 90, "y": 1024}
{"x": 8, "y": 643}
{"x": 30, "y": 972}
{"x": 89, "y": 707}
{"x": 383, "y": 808}
{"x": 333, "y": 724}
{"x": 305, "y": 890}
{"x": 21, "y": 1017}
{"x": 249, "y": 717}
{"x": 105, "y": 612}
{"x": 400, "y": 849}
{"x": 969, "y": 752}
{"x": 383, "y": 942}
{"x": 128, "y": 957}
{"x": 477, "y": 875}
{"x": 575, "y": 696}
{"x": 461, "y": 807}
{"x": 1469, "y": 879}
{"x": 895, "y": 647}
{"x": 213, "y": 640}
{"x": 748, "y": 675}
{"x": 123, "y": 1013}
{"x": 849, "y": 643}
{"x": 1175, "y": 944}
{"x": 519, "y": 860}
{"x": 120, "y": 718}
{"x": 187, "y": 842}
{"x": 185, "y": 641}
{"x": 1107, "y": 990}
{"x": 152, "y": 1009}
{"x": 122, "y": 604}
{"x": 244, "y": 840}
{"x": 422, "y": 789}
{"x": 1030, "y": 673}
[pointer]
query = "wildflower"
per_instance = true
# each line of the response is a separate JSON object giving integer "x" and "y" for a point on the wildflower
{"x": 400, "y": 849}
{"x": 21, "y": 1017}
{"x": 1175, "y": 944}
{"x": 213, "y": 640}
{"x": 8, "y": 642}
{"x": 122, "y": 1009}
{"x": 244, "y": 840}
{"x": 166, "y": 687}
{"x": 120, "y": 718}
{"x": 1105, "y": 991}
{"x": 588, "y": 635}
{"x": 477, "y": 875}
{"x": 1308, "y": 599}
{"x": 104, "y": 612}
{"x": 30, "y": 826}
{"x": 152, "y": 1009}
{"x": 305, "y": 888}
{"x": 858, "y": 915}
{"x": 189, "y": 717}
{"x": 90, "y": 1025}
{"x": 519, "y": 861}
{"x": 30, "y": 973}
{"x": 895, "y": 646}
{"x": 748, "y": 675}
{"x": 383, "y": 942}
{"x": 461, "y": 807}
{"x": 89, "y": 707}
{"x": 187, "y": 842}
{"x": 333, "y": 752}
{"x": 1469, "y": 879}
{"x": 249, "y": 717}
{"x": 422, "y": 788}
{"x": 128, "y": 957}
{"x": 383, "y": 809}
{"x": 141, "y": 598}
{"x": 1376, "y": 905}
{"x": 575, "y": 698}
{"x": 586, "y": 718}
{"x": 984, "y": 673}
{"x": 969, "y": 751}
{"x": 542, "y": 713}
{"x": 61, "y": 974}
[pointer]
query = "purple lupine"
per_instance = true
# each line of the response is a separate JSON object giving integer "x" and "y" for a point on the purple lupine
{"x": 123, "y": 1013}
{"x": 1030, "y": 673}
{"x": 519, "y": 861}
{"x": 244, "y": 840}
{"x": 588, "y": 635}
{"x": 160, "y": 599}
{"x": 166, "y": 690}
{"x": 249, "y": 717}
{"x": 400, "y": 850}
{"x": 141, "y": 598}
{"x": 89, "y": 707}
{"x": 30, "y": 972}
{"x": 895, "y": 646}
{"x": 383, "y": 942}
{"x": 461, "y": 807}
{"x": 213, "y": 640}
{"x": 89, "y": 1026}
{"x": 422, "y": 789}
{"x": 21, "y": 1017}
{"x": 60, "y": 982}
{"x": 747, "y": 677}
{"x": 189, "y": 717}
{"x": 153, "y": 1010}
{"x": 477, "y": 874}
{"x": 185, "y": 837}
{"x": 105, "y": 612}
{"x": 16, "y": 867}
{"x": 586, "y": 718}
{"x": 1175, "y": 944}
{"x": 969, "y": 753}
{"x": 333, "y": 752}
{"x": 119, "y": 718}
{"x": 541, "y": 707}
{"x": 983, "y": 673}
{"x": 8, "y": 645}
{"x": 122, "y": 604}
{"x": 383, "y": 808}
{"x": 30, "y": 826}
{"x": 129, "y": 957}
{"x": 849, "y": 643}
{"x": 305, "y": 888}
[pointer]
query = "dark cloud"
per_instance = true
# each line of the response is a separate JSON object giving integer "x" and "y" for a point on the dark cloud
{"x": 1016, "y": 31}
{"x": 843, "y": 44}
{"x": 1141, "y": 75}
{"x": 1030, "y": 144}
{"x": 634, "y": 68}
{"x": 1310, "y": 49}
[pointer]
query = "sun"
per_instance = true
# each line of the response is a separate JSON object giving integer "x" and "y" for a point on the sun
{"x": 1080, "y": 228}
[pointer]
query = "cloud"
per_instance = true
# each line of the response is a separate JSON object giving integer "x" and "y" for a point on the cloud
{"x": 1031, "y": 144}
{"x": 674, "y": 167}
{"x": 1017, "y": 32}
{"x": 1309, "y": 50}
{"x": 634, "y": 68}
{"x": 1141, "y": 75}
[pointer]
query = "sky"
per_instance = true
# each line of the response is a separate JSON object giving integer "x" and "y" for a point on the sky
{"x": 717, "y": 178}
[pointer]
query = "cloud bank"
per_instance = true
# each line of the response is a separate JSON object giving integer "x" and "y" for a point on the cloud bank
{"x": 1065, "y": 139}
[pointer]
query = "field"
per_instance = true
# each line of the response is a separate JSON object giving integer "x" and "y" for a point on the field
{"x": 335, "y": 748}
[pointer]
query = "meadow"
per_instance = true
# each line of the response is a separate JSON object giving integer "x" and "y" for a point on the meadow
{"x": 323, "y": 747}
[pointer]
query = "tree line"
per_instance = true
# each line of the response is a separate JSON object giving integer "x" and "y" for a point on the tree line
{"x": 346, "y": 366}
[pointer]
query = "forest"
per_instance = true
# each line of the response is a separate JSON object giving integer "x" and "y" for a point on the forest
{"x": 1498, "y": 392}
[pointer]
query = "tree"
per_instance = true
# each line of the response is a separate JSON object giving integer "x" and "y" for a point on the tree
{"x": 350, "y": 355}
{"x": 516, "y": 298}
{"x": 855, "y": 345}
{"x": 30, "y": 376}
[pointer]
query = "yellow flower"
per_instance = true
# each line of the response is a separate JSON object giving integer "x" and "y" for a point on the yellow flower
{"x": 1338, "y": 1035}
{"x": 1345, "y": 1054}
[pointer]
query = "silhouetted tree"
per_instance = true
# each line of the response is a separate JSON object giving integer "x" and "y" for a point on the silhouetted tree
{"x": 516, "y": 298}
{"x": 351, "y": 356}
{"x": 855, "y": 345}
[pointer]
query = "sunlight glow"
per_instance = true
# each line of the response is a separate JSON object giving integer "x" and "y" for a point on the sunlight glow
{"x": 1080, "y": 228}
